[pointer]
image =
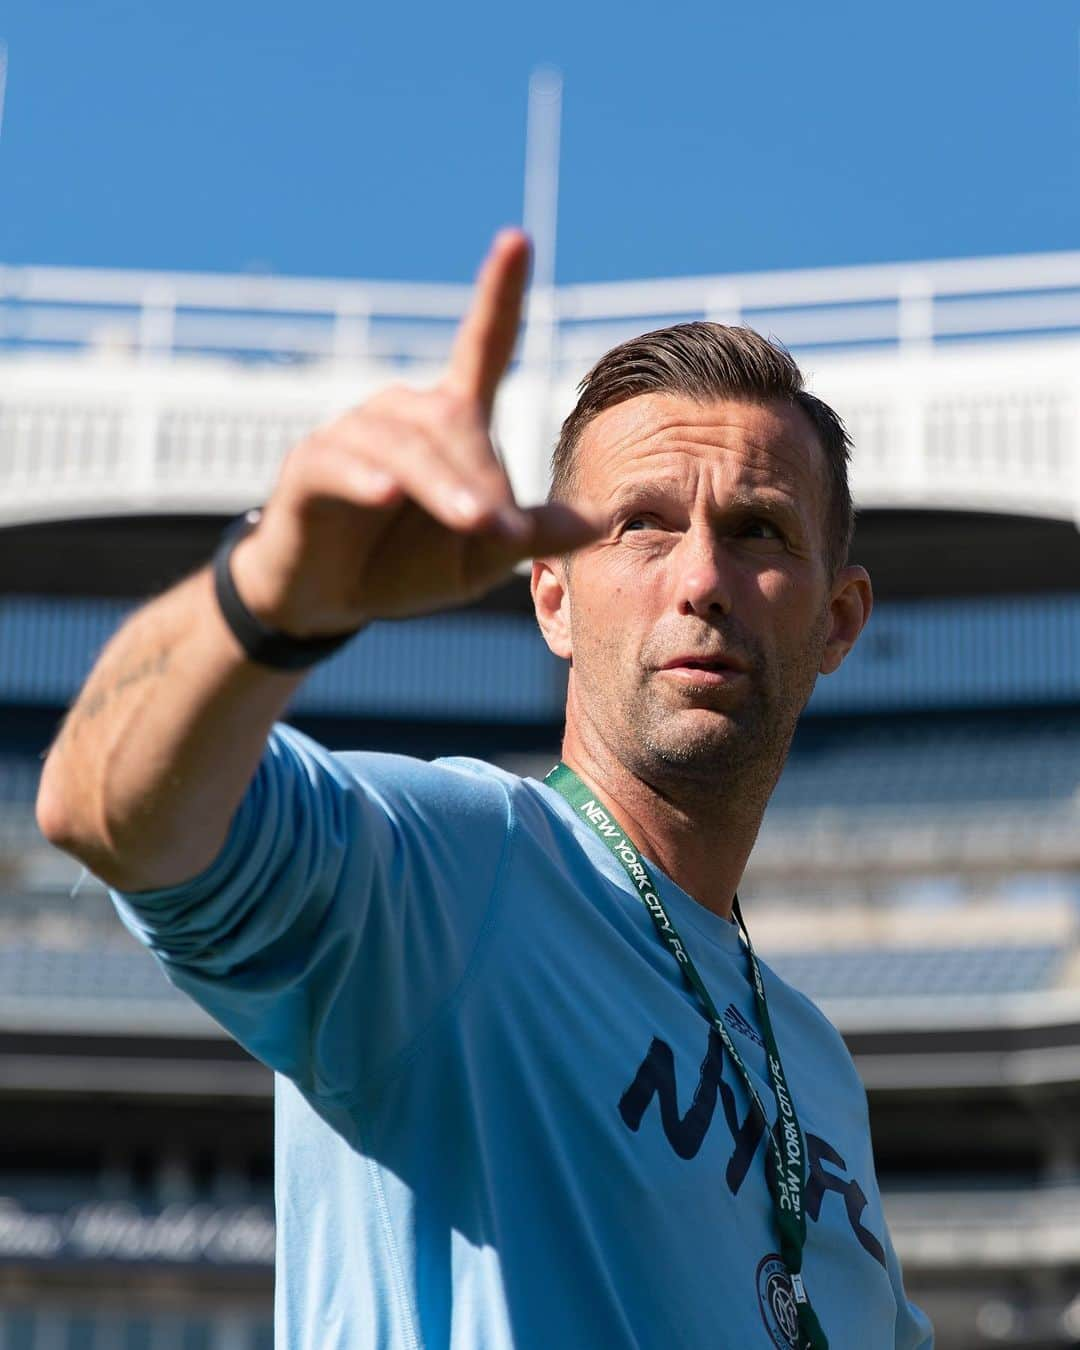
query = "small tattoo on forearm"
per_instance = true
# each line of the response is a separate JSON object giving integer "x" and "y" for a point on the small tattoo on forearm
{"x": 95, "y": 700}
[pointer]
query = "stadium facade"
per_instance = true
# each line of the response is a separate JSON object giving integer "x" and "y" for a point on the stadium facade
{"x": 918, "y": 869}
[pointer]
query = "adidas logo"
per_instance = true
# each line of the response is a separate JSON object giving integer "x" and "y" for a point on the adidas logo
{"x": 734, "y": 1018}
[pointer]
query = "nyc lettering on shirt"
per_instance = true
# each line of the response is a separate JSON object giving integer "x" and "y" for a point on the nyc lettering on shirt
{"x": 656, "y": 1078}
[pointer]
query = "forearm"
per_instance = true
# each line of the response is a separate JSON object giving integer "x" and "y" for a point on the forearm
{"x": 159, "y": 747}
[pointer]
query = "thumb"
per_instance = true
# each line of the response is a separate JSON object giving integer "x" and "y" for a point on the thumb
{"x": 552, "y": 530}
{"x": 559, "y": 528}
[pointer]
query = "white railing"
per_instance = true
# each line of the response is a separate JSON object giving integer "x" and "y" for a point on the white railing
{"x": 287, "y": 318}
{"x": 178, "y": 313}
{"x": 133, "y": 391}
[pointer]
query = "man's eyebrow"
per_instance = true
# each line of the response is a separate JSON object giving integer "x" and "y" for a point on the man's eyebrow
{"x": 644, "y": 490}
{"x": 771, "y": 504}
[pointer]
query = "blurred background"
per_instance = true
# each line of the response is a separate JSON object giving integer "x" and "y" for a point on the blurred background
{"x": 221, "y": 224}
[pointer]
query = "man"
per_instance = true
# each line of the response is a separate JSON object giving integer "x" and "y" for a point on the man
{"x": 510, "y": 1110}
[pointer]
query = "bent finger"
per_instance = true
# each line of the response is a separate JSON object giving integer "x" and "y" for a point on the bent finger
{"x": 421, "y": 469}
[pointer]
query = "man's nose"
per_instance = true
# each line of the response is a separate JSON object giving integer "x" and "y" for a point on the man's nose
{"x": 704, "y": 580}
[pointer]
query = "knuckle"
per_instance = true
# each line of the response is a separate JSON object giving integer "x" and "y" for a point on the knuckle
{"x": 438, "y": 411}
{"x": 456, "y": 407}
{"x": 361, "y": 429}
{"x": 295, "y": 462}
{"x": 452, "y": 400}
{"x": 315, "y": 440}
{"x": 392, "y": 398}
{"x": 325, "y": 434}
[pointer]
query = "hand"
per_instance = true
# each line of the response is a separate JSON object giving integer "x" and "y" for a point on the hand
{"x": 401, "y": 507}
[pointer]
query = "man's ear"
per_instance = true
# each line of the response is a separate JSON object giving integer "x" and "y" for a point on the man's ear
{"x": 551, "y": 600}
{"x": 850, "y": 603}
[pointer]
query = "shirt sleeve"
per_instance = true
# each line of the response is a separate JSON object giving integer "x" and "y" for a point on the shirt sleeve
{"x": 343, "y": 912}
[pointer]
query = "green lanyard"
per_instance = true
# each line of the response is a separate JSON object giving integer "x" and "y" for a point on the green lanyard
{"x": 787, "y": 1173}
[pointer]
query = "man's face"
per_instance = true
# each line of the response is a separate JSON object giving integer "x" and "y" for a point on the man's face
{"x": 700, "y": 620}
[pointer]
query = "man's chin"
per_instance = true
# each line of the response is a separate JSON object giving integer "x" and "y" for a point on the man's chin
{"x": 698, "y": 737}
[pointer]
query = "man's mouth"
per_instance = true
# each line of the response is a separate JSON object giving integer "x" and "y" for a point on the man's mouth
{"x": 711, "y": 670}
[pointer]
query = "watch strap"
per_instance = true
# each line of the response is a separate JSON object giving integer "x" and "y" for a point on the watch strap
{"x": 262, "y": 644}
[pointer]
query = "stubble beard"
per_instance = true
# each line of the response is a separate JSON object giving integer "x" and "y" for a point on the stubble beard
{"x": 685, "y": 747}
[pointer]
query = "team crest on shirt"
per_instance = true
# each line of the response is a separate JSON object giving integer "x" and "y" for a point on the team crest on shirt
{"x": 776, "y": 1298}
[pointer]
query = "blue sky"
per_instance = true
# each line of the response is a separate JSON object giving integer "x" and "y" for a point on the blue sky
{"x": 387, "y": 140}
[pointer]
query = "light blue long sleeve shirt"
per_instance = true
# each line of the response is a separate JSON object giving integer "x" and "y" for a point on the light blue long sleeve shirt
{"x": 501, "y": 1119}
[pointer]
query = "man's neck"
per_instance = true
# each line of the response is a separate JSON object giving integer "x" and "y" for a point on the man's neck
{"x": 700, "y": 838}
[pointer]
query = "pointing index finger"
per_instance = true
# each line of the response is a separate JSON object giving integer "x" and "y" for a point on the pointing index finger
{"x": 485, "y": 341}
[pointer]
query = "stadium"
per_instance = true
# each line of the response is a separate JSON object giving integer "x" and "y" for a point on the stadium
{"x": 917, "y": 872}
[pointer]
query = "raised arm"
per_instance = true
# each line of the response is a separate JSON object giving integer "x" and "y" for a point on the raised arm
{"x": 399, "y": 507}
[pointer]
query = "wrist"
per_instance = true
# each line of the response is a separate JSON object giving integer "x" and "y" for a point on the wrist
{"x": 254, "y": 615}
{"x": 259, "y": 589}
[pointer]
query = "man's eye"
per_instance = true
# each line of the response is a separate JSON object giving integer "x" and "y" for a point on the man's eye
{"x": 639, "y": 523}
{"x": 761, "y": 529}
